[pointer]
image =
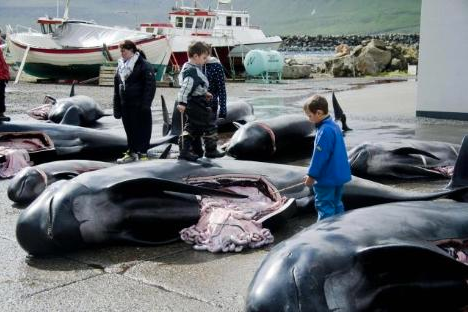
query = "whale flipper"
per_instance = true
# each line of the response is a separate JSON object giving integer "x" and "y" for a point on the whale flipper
{"x": 71, "y": 117}
{"x": 413, "y": 151}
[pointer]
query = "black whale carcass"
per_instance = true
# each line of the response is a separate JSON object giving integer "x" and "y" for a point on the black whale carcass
{"x": 407, "y": 256}
{"x": 150, "y": 202}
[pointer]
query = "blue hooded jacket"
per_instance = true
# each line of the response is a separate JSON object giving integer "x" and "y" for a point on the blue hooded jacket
{"x": 329, "y": 165}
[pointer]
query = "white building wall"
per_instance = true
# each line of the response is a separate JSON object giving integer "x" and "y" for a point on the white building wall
{"x": 443, "y": 60}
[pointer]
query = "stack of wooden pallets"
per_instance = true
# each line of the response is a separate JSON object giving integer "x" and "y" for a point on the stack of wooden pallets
{"x": 107, "y": 73}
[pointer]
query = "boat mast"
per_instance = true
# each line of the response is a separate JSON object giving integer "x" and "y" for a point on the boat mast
{"x": 65, "y": 13}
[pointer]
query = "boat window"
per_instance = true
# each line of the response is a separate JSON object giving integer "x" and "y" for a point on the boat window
{"x": 150, "y": 29}
{"x": 43, "y": 30}
{"x": 208, "y": 23}
{"x": 160, "y": 31}
{"x": 246, "y": 21}
{"x": 188, "y": 22}
{"x": 238, "y": 21}
{"x": 179, "y": 22}
{"x": 199, "y": 23}
{"x": 228, "y": 20}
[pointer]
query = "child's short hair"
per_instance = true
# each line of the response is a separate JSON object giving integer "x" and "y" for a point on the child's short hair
{"x": 198, "y": 47}
{"x": 315, "y": 103}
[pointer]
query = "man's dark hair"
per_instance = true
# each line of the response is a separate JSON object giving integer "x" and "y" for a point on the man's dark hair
{"x": 316, "y": 103}
{"x": 198, "y": 47}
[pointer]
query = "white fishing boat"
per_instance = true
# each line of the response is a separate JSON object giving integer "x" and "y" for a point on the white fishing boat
{"x": 228, "y": 31}
{"x": 75, "y": 49}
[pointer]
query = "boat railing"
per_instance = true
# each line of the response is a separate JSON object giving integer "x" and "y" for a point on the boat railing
{"x": 20, "y": 28}
{"x": 220, "y": 32}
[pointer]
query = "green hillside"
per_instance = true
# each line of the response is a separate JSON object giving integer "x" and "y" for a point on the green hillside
{"x": 311, "y": 17}
{"x": 334, "y": 17}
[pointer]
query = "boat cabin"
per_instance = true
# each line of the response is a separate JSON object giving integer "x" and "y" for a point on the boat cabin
{"x": 198, "y": 21}
{"x": 49, "y": 25}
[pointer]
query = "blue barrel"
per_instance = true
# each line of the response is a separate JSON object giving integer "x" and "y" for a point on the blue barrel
{"x": 258, "y": 62}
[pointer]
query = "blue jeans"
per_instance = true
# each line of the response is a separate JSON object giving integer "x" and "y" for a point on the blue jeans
{"x": 328, "y": 201}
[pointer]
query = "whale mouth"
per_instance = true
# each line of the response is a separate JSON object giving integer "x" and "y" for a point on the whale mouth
{"x": 455, "y": 248}
{"x": 232, "y": 224}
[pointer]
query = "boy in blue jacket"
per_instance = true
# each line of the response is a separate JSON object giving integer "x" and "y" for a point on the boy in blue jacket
{"x": 329, "y": 167}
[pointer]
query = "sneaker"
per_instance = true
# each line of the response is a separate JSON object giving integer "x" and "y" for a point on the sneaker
{"x": 128, "y": 158}
{"x": 143, "y": 156}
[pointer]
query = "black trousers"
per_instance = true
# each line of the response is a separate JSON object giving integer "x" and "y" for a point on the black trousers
{"x": 2, "y": 96}
{"x": 138, "y": 125}
{"x": 200, "y": 118}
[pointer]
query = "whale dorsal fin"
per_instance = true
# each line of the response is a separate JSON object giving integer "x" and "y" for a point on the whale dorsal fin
{"x": 460, "y": 171}
{"x": 166, "y": 151}
{"x": 72, "y": 91}
{"x": 413, "y": 151}
{"x": 166, "y": 123}
{"x": 339, "y": 114}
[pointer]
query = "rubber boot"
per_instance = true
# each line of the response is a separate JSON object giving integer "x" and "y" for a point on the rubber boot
{"x": 185, "y": 146}
{"x": 197, "y": 147}
{"x": 211, "y": 148}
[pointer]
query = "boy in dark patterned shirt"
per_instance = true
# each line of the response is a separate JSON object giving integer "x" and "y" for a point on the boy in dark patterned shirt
{"x": 193, "y": 99}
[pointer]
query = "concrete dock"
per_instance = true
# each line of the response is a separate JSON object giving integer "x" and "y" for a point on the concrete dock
{"x": 175, "y": 277}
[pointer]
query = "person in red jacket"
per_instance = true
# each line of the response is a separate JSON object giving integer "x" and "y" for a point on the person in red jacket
{"x": 4, "y": 77}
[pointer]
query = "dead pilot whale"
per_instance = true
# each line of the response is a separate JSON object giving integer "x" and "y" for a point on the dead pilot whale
{"x": 150, "y": 202}
{"x": 406, "y": 256}
{"x": 404, "y": 159}
{"x": 76, "y": 110}
{"x": 286, "y": 135}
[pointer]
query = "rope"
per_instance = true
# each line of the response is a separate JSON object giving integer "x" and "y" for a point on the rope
{"x": 288, "y": 187}
{"x": 182, "y": 128}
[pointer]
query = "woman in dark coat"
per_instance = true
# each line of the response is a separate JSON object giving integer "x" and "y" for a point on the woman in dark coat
{"x": 134, "y": 89}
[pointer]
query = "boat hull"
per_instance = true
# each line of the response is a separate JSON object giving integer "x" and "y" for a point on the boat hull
{"x": 83, "y": 63}
{"x": 74, "y": 71}
{"x": 243, "y": 49}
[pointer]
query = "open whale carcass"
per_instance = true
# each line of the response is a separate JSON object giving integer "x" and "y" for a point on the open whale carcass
{"x": 75, "y": 49}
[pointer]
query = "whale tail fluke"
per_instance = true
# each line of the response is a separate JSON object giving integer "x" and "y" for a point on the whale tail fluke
{"x": 339, "y": 114}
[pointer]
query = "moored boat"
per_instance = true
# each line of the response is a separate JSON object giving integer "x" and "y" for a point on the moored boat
{"x": 75, "y": 49}
{"x": 228, "y": 31}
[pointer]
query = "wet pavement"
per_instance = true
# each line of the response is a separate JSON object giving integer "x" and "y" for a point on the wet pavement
{"x": 174, "y": 277}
